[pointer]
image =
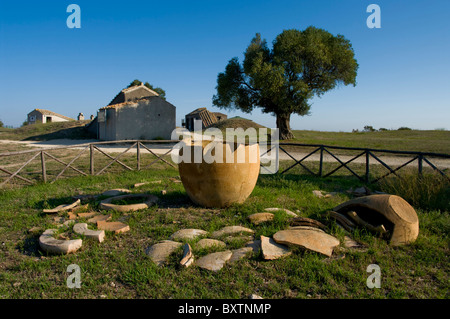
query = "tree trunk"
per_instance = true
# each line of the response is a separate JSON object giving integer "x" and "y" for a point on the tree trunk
{"x": 283, "y": 124}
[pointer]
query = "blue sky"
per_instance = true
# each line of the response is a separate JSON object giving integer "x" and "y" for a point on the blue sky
{"x": 181, "y": 46}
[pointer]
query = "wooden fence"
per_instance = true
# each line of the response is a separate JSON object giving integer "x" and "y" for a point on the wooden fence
{"x": 369, "y": 156}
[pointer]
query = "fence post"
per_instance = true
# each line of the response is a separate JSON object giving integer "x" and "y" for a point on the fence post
{"x": 91, "y": 148}
{"x": 321, "y": 161}
{"x": 44, "y": 170}
{"x": 367, "y": 166}
{"x": 420, "y": 160}
{"x": 138, "y": 155}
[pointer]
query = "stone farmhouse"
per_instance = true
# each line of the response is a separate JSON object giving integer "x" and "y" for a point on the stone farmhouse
{"x": 136, "y": 113}
{"x": 45, "y": 116}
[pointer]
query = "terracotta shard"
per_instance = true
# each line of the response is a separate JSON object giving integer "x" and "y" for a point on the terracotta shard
{"x": 400, "y": 217}
{"x": 147, "y": 201}
{"x": 208, "y": 243}
{"x": 116, "y": 227}
{"x": 272, "y": 250}
{"x": 81, "y": 228}
{"x": 346, "y": 223}
{"x": 188, "y": 256}
{"x": 116, "y": 192}
{"x": 259, "y": 218}
{"x": 160, "y": 252}
{"x": 62, "y": 208}
{"x": 187, "y": 234}
{"x": 98, "y": 218}
{"x": 287, "y": 211}
{"x": 231, "y": 230}
{"x": 311, "y": 239}
{"x": 56, "y": 246}
{"x": 214, "y": 261}
{"x": 303, "y": 221}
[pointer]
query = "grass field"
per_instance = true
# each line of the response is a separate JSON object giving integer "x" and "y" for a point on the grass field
{"x": 119, "y": 267}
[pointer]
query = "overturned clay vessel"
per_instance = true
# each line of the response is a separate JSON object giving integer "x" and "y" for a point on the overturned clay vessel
{"x": 392, "y": 212}
{"x": 219, "y": 183}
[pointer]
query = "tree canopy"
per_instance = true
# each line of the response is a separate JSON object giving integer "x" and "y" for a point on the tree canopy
{"x": 281, "y": 80}
{"x": 158, "y": 90}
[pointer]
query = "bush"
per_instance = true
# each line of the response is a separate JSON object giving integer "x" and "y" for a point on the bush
{"x": 382, "y": 129}
{"x": 369, "y": 128}
{"x": 1, "y": 123}
{"x": 404, "y": 128}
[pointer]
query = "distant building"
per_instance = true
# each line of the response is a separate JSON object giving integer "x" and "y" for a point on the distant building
{"x": 136, "y": 113}
{"x": 45, "y": 116}
{"x": 208, "y": 118}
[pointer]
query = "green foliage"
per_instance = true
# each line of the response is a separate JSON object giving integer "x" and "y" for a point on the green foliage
{"x": 369, "y": 128}
{"x": 158, "y": 90}
{"x": 404, "y": 128}
{"x": 281, "y": 81}
{"x": 1, "y": 123}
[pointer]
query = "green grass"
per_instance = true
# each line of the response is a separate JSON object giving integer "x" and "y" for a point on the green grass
{"x": 119, "y": 267}
{"x": 435, "y": 141}
{"x": 47, "y": 131}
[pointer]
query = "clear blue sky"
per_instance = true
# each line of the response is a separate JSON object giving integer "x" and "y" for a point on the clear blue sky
{"x": 181, "y": 46}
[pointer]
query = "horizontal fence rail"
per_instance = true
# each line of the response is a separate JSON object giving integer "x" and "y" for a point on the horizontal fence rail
{"x": 369, "y": 156}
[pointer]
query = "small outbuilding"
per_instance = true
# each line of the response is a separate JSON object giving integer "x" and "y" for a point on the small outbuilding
{"x": 46, "y": 116}
{"x": 208, "y": 118}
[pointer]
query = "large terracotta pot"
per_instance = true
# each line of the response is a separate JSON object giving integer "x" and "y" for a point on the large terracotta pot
{"x": 221, "y": 184}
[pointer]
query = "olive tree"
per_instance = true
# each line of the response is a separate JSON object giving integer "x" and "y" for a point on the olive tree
{"x": 282, "y": 80}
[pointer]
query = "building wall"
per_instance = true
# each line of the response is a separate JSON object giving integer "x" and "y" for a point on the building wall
{"x": 146, "y": 119}
{"x": 34, "y": 117}
{"x": 42, "y": 118}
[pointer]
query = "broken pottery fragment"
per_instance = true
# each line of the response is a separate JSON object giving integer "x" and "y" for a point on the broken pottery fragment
{"x": 208, "y": 243}
{"x": 231, "y": 230}
{"x": 312, "y": 239}
{"x": 396, "y": 215}
{"x": 56, "y": 246}
{"x": 287, "y": 211}
{"x": 346, "y": 223}
{"x": 160, "y": 252}
{"x": 214, "y": 261}
{"x": 188, "y": 256}
{"x": 255, "y": 245}
{"x": 148, "y": 200}
{"x": 98, "y": 218}
{"x": 82, "y": 229}
{"x": 188, "y": 234}
{"x": 115, "y": 192}
{"x": 116, "y": 227}
{"x": 259, "y": 218}
{"x": 272, "y": 250}
{"x": 87, "y": 215}
{"x": 303, "y": 221}
{"x": 62, "y": 208}
{"x": 240, "y": 253}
